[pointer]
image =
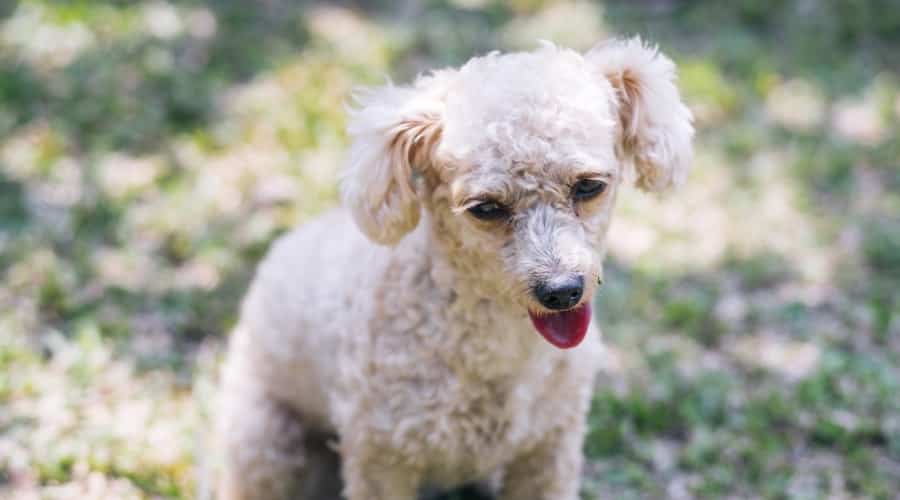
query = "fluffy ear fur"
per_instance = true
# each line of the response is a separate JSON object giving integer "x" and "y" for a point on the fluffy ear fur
{"x": 656, "y": 126}
{"x": 393, "y": 132}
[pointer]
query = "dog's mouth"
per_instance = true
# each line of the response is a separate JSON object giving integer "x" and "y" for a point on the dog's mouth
{"x": 564, "y": 329}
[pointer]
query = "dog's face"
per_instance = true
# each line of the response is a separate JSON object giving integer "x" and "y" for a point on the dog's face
{"x": 518, "y": 158}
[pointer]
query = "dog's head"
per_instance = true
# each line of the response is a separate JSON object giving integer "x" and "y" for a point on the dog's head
{"x": 517, "y": 159}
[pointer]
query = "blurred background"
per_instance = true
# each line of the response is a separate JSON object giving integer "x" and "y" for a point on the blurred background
{"x": 150, "y": 151}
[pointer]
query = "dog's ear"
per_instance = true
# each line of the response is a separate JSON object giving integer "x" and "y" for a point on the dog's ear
{"x": 655, "y": 126}
{"x": 393, "y": 131}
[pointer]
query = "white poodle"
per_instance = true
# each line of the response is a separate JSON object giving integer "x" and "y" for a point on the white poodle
{"x": 440, "y": 327}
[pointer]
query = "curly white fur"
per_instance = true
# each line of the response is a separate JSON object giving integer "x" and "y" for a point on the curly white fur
{"x": 420, "y": 357}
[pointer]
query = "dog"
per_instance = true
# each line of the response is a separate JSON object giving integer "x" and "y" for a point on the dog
{"x": 439, "y": 326}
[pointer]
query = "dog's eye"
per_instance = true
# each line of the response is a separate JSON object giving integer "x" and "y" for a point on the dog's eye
{"x": 586, "y": 189}
{"x": 488, "y": 210}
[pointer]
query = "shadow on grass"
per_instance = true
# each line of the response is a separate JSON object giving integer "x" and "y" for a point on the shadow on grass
{"x": 134, "y": 94}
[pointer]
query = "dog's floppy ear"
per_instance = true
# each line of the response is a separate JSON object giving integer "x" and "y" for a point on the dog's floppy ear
{"x": 393, "y": 131}
{"x": 655, "y": 126}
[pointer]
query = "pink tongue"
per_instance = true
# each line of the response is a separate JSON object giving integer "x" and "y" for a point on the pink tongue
{"x": 563, "y": 329}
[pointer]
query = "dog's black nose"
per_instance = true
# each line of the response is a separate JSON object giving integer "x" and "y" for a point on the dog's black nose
{"x": 560, "y": 296}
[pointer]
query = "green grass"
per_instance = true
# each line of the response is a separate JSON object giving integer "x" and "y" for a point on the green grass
{"x": 752, "y": 319}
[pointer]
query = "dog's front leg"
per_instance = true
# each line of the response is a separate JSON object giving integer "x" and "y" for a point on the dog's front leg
{"x": 550, "y": 471}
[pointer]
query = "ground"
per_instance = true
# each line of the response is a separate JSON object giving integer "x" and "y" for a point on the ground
{"x": 150, "y": 151}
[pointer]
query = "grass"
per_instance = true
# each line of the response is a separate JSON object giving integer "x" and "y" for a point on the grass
{"x": 150, "y": 151}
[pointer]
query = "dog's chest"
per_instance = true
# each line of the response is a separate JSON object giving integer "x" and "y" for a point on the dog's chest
{"x": 482, "y": 426}
{"x": 482, "y": 396}
{"x": 453, "y": 384}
